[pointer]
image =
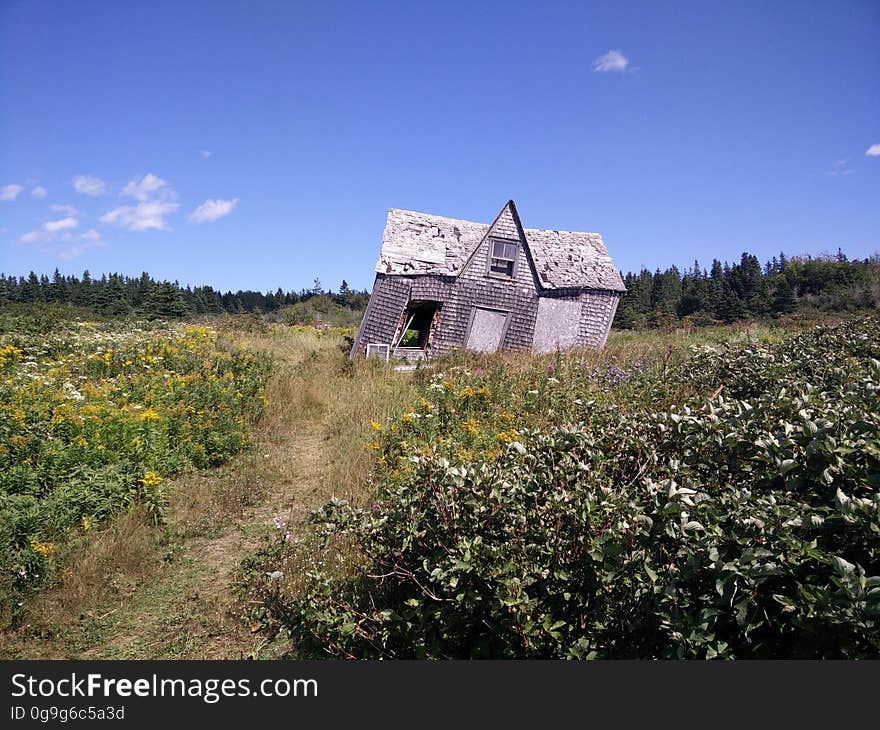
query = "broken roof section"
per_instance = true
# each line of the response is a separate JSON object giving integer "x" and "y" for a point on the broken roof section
{"x": 421, "y": 243}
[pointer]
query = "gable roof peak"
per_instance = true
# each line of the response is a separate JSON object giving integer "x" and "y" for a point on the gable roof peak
{"x": 421, "y": 243}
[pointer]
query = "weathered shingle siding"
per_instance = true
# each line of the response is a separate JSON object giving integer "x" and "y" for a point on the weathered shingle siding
{"x": 387, "y": 303}
{"x": 431, "y": 288}
{"x": 476, "y": 289}
{"x": 597, "y": 314}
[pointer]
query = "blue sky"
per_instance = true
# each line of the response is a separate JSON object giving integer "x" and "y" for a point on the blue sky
{"x": 260, "y": 144}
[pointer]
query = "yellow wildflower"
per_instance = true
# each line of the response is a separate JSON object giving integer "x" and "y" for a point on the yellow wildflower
{"x": 150, "y": 415}
{"x": 376, "y": 426}
{"x": 471, "y": 427}
{"x": 151, "y": 479}
{"x": 508, "y": 436}
{"x": 466, "y": 393}
{"x": 43, "y": 548}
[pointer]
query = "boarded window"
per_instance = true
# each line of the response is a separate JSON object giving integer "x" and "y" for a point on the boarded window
{"x": 557, "y": 324}
{"x": 502, "y": 258}
{"x": 487, "y": 329}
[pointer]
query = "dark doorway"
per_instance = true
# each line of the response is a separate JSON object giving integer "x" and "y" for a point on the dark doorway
{"x": 418, "y": 321}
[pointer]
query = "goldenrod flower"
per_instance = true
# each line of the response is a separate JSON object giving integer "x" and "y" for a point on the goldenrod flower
{"x": 150, "y": 415}
{"x": 151, "y": 479}
{"x": 43, "y": 548}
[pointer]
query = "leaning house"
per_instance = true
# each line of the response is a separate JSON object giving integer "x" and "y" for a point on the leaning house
{"x": 443, "y": 283}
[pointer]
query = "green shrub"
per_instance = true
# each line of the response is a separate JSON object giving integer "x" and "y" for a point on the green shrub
{"x": 723, "y": 506}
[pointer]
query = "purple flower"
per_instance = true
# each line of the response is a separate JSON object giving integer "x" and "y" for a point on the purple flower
{"x": 478, "y": 371}
{"x": 375, "y": 508}
{"x": 551, "y": 368}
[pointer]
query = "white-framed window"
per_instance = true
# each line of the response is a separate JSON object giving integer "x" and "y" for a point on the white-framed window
{"x": 380, "y": 350}
{"x": 502, "y": 257}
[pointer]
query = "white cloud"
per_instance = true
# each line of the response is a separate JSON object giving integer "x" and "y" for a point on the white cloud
{"x": 60, "y": 231}
{"x": 873, "y": 150}
{"x": 10, "y": 192}
{"x": 50, "y": 230}
{"x": 211, "y": 210}
{"x": 611, "y": 61}
{"x": 87, "y": 241}
{"x": 39, "y": 192}
{"x": 32, "y": 237}
{"x": 205, "y": 153}
{"x": 60, "y": 225}
{"x": 65, "y": 209}
{"x": 141, "y": 217}
{"x": 149, "y": 186}
{"x": 157, "y": 200}
{"x": 89, "y": 185}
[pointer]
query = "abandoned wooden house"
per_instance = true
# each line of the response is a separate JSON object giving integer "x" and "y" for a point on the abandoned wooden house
{"x": 443, "y": 283}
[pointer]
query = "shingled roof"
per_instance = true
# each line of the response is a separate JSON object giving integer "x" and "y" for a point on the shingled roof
{"x": 420, "y": 243}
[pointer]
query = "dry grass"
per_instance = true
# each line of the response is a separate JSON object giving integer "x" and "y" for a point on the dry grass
{"x": 115, "y": 560}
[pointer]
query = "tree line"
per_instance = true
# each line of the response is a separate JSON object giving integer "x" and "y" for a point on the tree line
{"x": 746, "y": 290}
{"x": 117, "y": 295}
{"x": 723, "y": 293}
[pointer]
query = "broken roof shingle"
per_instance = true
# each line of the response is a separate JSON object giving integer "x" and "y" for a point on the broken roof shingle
{"x": 421, "y": 243}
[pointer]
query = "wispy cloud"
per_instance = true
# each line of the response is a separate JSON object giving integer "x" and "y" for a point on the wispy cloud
{"x": 205, "y": 153}
{"x": 89, "y": 185}
{"x": 10, "y": 192}
{"x": 85, "y": 242}
{"x": 39, "y": 192}
{"x": 149, "y": 186}
{"x": 64, "y": 209}
{"x": 612, "y": 61}
{"x": 873, "y": 150}
{"x": 32, "y": 237}
{"x": 50, "y": 230}
{"x": 60, "y": 225}
{"x": 211, "y": 210}
{"x": 840, "y": 169}
{"x": 53, "y": 234}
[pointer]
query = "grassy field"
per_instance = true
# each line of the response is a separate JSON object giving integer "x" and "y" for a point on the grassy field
{"x": 243, "y": 545}
{"x": 130, "y": 588}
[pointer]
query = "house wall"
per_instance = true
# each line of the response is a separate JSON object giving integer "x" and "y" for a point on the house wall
{"x": 474, "y": 288}
{"x": 597, "y": 315}
{"x": 387, "y": 304}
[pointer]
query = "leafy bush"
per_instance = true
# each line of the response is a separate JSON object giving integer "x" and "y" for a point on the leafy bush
{"x": 725, "y": 505}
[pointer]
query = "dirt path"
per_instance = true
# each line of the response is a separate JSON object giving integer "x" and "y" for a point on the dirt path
{"x": 137, "y": 592}
{"x": 190, "y": 610}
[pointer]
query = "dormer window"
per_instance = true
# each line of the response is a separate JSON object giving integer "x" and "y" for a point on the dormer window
{"x": 502, "y": 258}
